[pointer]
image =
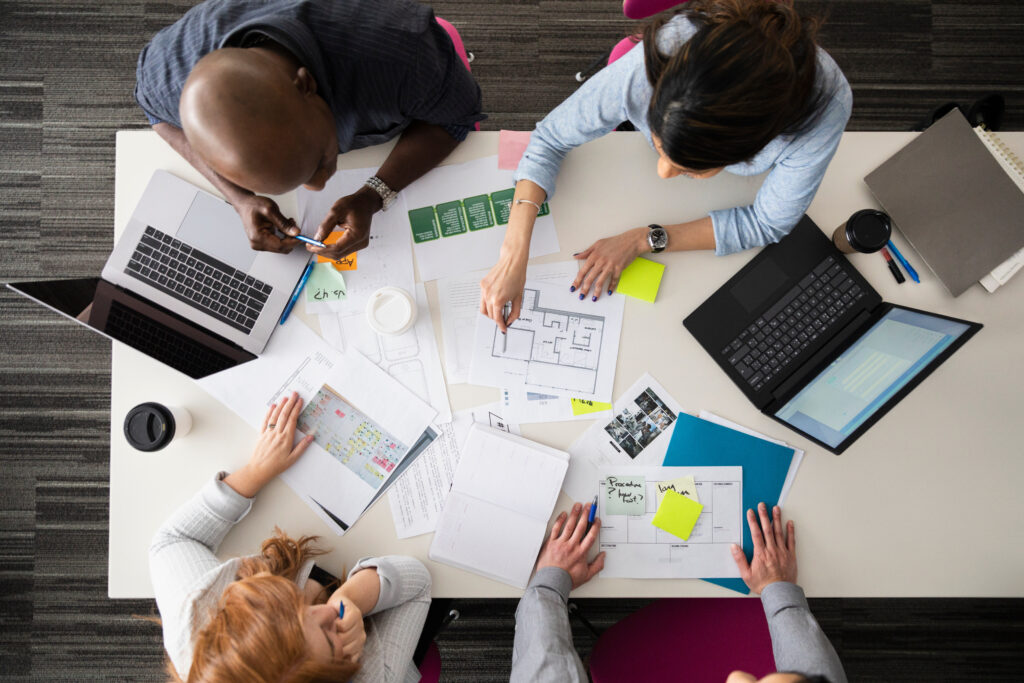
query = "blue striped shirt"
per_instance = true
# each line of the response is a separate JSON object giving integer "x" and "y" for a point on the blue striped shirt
{"x": 379, "y": 64}
{"x": 621, "y": 92}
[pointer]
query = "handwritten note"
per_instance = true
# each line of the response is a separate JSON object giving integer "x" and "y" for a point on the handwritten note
{"x": 349, "y": 262}
{"x": 325, "y": 284}
{"x": 641, "y": 279}
{"x": 684, "y": 486}
{"x": 582, "y": 406}
{"x": 625, "y": 495}
{"x": 677, "y": 515}
{"x": 511, "y": 145}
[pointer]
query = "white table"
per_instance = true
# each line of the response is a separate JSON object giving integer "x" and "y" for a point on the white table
{"x": 926, "y": 503}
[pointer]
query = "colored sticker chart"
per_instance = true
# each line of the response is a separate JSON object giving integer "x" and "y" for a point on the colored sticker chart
{"x": 459, "y": 217}
{"x": 353, "y": 439}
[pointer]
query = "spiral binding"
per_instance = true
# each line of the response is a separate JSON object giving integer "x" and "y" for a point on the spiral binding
{"x": 998, "y": 147}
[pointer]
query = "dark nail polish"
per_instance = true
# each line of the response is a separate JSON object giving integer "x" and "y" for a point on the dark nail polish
{"x": 572, "y": 288}
{"x": 593, "y": 298}
{"x": 609, "y": 292}
{"x": 581, "y": 296}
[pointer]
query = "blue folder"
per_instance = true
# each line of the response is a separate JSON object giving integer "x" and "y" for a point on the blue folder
{"x": 699, "y": 443}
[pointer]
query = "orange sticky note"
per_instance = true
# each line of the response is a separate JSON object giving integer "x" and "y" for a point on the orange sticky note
{"x": 345, "y": 262}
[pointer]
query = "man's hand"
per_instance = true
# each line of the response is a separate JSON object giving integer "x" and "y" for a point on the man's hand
{"x": 567, "y": 546}
{"x": 352, "y": 214}
{"x": 774, "y": 551}
{"x": 261, "y": 217}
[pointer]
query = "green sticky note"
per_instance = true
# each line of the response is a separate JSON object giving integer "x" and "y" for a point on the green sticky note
{"x": 677, "y": 515}
{"x": 449, "y": 218}
{"x": 502, "y": 200}
{"x": 641, "y": 279}
{"x": 625, "y": 495}
{"x": 684, "y": 486}
{"x": 583, "y": 406}
{"x": 478, "y": 212}
{"x": 325, "y": 283}
{"x": 424, "y": 225}
{"x": 544, "y": 210}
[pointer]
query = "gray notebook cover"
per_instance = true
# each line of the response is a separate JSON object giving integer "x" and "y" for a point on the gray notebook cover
{"x": 952, "y": 201}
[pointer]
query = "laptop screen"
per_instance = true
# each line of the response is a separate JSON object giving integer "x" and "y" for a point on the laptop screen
{"x": 869, "y": 373}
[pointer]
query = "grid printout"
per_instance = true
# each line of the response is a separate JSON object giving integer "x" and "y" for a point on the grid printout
{"x": 636, "y": 549}
{"x": 350, "y": 437}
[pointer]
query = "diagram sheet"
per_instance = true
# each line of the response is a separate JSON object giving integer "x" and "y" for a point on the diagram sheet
{"x": 558, "y": 345}
{"x": 386, "y": 261}
{"x": 529, "y": 407}
{"x": 460, "y": 303}
{"x": 417, "y": 498}
{"x": 411, "y": 357}
{"x": 639, "y": 433}
{"x": 636, "y": 549}
{"x": 457, "y": 216}
{"x": 364, "y": 422}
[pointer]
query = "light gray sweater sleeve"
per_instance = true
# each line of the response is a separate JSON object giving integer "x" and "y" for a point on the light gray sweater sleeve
{"x": 543, "y": 650}
{"x": 798, "y": 643}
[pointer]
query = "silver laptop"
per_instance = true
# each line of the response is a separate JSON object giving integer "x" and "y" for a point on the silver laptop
{"x": 182, "y": 284}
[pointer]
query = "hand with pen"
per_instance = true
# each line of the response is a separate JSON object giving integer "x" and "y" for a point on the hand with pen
{"x": 569, "y": 542}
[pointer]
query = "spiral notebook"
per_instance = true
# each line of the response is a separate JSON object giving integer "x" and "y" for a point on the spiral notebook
{"x": 957, "y": 195}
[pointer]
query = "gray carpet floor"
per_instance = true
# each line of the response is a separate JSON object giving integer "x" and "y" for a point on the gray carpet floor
{"x": 66, "y": 78}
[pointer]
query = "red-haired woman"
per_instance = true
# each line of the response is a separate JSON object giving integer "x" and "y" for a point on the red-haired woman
{"x": 262, "y": 618}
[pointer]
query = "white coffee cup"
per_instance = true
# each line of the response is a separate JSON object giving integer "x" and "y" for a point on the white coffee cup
{"x": 391, "y": 311}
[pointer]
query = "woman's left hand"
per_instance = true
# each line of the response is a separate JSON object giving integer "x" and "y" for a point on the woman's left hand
{"x": 275, "y": 451}
{"x": 605, "y": 260}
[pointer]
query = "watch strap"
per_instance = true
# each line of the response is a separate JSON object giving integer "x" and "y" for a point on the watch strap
{"x": 387, "y": 195}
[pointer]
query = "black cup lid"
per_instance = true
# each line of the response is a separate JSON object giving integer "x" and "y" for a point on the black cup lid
{"x": 868, "y": 230}
{"x": 149, "y": 426}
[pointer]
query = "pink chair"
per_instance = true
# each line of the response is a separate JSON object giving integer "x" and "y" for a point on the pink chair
{"x": 641, "y": 9}
{"x": 460, "y": 48}
{"x": 430, "y": 667}
{"x": 633, "y": 9}
{"x": 705, "y": 638}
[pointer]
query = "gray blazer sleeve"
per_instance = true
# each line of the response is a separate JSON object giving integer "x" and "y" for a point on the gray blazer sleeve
{"x": 798, "y": 643}
{"x": 543, "y": 650}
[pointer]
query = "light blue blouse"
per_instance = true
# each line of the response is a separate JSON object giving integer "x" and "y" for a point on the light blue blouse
{"x": 620, "y": 92}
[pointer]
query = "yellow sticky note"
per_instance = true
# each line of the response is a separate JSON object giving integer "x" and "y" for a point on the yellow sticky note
{"x": 641, "y": 279}
{"x": 345, "y": 262}
{"x": 677, "y": 515}
{"x": 582, "y": 406}
{"x": 684, "y": 486}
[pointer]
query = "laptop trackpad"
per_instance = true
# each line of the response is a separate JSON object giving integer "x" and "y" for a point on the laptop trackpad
{"x": 212, "y": 226}
{"x": 758, "y": 285}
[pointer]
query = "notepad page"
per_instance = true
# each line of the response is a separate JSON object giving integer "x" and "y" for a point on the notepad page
{"x": 1009, "y": 161}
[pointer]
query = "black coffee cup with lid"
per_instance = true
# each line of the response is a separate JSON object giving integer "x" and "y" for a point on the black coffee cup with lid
{"x": 151, "y": 426}
{"x": 867, "y": 231}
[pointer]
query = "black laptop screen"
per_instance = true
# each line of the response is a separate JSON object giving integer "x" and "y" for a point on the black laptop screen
{"x": 869, "y": 373}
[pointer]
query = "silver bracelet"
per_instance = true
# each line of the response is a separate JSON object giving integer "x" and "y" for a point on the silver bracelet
{"x": 529, "y": 201}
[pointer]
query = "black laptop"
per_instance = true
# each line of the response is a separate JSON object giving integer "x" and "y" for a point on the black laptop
{"x": 812, "y": 345}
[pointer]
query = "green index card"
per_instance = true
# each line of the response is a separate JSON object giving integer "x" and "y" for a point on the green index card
{"x": 449, "y": 217}
{"x": 424, "y": 226}
{"x": 478, "y": 212}
{"x": 502, "y": 200}
{"x": 626, "y": 495}
{"x": 325, "y": 283}
{"x": 544, "y": 210}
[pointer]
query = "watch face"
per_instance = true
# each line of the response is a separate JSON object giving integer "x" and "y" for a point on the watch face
{"x": 658, "y": 238}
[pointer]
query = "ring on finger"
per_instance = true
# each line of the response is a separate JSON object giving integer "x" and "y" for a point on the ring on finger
{"x": 271, "y": 425}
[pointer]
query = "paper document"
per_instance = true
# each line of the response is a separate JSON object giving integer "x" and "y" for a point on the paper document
{"x": 365, "y": 422}
{"x": 457, "y": 215}
{"x": 496, "y": 516}
{"x": 526, "y": 407}
{"x": 639, "y": 433}
{"x": 460, "y": 303}
{"x": 558, "y": 345}
{"x": 411, "y": 357}
{"x": 418, "y": 496}
{"x": 388, "y": 258}
{"x": 637, "y": 549}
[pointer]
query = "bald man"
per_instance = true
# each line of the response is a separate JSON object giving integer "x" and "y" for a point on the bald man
{"x": 262, "y": 96}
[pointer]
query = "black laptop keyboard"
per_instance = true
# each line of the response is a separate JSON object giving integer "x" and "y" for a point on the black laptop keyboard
{"x": 198, "y": 279}
{"x": 785, "y": 330}
{"x": 166, "y": 345}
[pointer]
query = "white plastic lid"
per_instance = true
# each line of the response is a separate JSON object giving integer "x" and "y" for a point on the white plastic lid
{"x": 391, "y": 310}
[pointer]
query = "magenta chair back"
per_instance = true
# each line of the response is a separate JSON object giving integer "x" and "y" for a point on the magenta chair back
{"x": 692, "y": 639}
{"x": 641, "y": 9}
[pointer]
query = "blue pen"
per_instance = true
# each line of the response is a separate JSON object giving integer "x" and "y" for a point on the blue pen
{"x": 903, "y": 262}
{"x": 298, "y": 290}
{"x": 309, "y": 240}
{"x": 341, "y": 611}
{"x": 590, "y": 517}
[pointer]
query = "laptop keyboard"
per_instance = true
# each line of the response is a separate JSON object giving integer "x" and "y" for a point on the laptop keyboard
{"x": 198, "y": 279}
{"x": 768, "y": 346}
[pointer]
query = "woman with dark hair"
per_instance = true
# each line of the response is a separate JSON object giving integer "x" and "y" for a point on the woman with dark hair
{"x": 264, "y": 618}
{"x": 724, "y": 85}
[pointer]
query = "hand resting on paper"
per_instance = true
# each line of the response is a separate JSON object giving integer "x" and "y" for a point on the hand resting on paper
{"x": 275, "y": 450}
{"x": 567, "y": 546}
{"x": 604, "y": 261}
{"x": 774, "y": 550}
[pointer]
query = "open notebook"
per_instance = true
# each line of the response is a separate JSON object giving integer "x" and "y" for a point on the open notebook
{"x": 496, "y": 516}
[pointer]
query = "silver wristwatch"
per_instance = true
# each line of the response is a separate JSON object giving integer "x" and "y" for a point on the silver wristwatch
{"x": 657, "y": 238}
{"x": 387, "y": 195}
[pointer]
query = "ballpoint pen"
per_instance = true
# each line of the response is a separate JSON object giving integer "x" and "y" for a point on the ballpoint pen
{"x": 298, "y": 290}
{"x": 893, "y": 267}
{"x": 506, "y": 311}
{"x": 590, "y": 517}
{"x": 341, "y": 610}
{"x": 306, "y": 240}
{"x": 903, "y": 262}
